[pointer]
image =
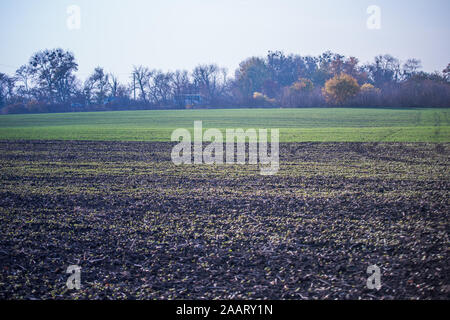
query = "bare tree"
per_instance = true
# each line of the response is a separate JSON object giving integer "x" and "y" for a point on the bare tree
{"x": 161, "y": 87}
{"x": 52, "y": 71}
{"x": 180, "y": 85}
{"x": 209, "y": 80}
{"x": 97, "y": 86}
{"x": 6, "y": 88}
{"x": 114, "y": 85}
{"x": 23, "y": 78}
{"x": 180, "y": 82}
{"x": 410, "y": 68}
{"x": 142, "y": 76}
{"x": 385, "y": 69}
{"x": 446, "y": 73}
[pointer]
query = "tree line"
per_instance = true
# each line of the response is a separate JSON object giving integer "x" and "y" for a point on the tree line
{"x": 47, "y": 83}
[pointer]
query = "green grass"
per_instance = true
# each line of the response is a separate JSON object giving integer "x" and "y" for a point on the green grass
{"x": 296, "y": 125}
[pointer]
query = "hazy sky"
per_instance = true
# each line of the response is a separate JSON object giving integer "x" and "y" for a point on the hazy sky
{"x": 179, "y": 34}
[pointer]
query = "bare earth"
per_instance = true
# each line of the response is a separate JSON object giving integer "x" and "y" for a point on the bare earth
{"x": 143, "y": 228}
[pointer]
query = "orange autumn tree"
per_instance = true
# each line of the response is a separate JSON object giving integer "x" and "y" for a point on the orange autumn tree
{"x": 340, "y": 89}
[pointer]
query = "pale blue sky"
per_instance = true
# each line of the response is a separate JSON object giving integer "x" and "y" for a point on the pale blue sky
{"x": 179, "y": 34}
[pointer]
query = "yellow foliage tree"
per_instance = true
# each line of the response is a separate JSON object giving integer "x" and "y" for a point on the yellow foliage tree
{"x": 367, "y": 87}
{"x": 340, "y": 89}
{"x": 263, "y": 98}
{"x": 302, "y": 85}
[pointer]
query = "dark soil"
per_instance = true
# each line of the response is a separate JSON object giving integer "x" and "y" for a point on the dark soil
{"x": 143, "y": 228}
